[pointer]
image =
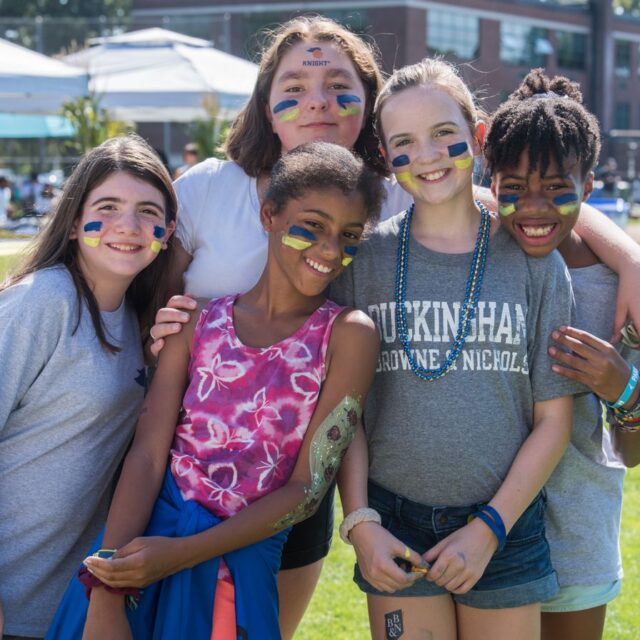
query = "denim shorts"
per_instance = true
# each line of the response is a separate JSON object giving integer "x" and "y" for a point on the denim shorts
{"x": 579, "y": 597}
{"x": 518, "y": 575}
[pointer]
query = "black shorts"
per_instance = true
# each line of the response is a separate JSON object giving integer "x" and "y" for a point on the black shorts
{"x": 310, "y": 539}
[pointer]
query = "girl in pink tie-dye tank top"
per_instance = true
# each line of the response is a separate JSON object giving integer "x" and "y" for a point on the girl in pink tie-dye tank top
{"x": 266, "y": 390}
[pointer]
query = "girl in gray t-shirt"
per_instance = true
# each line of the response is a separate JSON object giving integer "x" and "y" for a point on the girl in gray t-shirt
{"x": 73, "y": 376}
{"x": 465, "y": 421}
{"x": 542, "y": 147}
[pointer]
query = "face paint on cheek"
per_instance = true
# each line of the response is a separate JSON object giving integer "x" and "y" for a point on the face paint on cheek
{"x": 298, "y": 238}
{"x": 507, "y": 203}
{"x": 351, "y": 254}
{"x": 328, "y": 447}
{"x": 458, "y": 149}
{"x": 290, "y": 109}
{"x": 567, "y": 203}
{"x": 404, "y": 177}
{"x": 348, "y": 105}
{"x": 158, "y": 233}
{"x": 95, "y": 226}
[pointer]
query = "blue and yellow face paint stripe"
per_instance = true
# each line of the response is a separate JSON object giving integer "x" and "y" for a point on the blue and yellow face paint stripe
{"x": 298, "y": 238}
{"x": 290, "y": 109}
{"x": 92, "y": 227}
{"x": 404, "y": 177}
{"x": 507, "y": 203}
{"x": 348, "y": 105}
{"x": 351, "y": 254}
{"x": 458, "y": 149}
{"x": 567, "y": 203}
{"x": 158, "y": 233}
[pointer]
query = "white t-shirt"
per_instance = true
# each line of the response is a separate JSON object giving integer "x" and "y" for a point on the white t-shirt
{"x": 219, "y": 225}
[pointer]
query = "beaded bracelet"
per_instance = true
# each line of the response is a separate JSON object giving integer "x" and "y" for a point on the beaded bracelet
{"x": 628, "y": 390}
{"x": 632, "y": 413}
{"x": 494, "y": 521}
{"x": 364, "y": 514}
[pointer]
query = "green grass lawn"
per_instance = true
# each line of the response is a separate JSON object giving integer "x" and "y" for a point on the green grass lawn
{"x": 338, "y": 609}
{"x": 6, "y": 262}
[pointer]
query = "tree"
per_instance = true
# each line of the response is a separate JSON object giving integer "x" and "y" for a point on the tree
{"x": 92, "y": 123}
{"x": 50, "y": 26}
{"x": 627, "y": 6}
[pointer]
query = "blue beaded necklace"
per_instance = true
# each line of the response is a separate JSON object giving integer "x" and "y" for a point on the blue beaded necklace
{"x": 471, "y": 296}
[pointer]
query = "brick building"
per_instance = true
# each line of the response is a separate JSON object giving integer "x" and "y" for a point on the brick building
{"x": 496, "y": 41}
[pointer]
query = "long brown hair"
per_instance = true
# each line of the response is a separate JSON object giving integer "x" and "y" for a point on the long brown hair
{"x": 251, "y": 141}
{"x": 148, "y": 291}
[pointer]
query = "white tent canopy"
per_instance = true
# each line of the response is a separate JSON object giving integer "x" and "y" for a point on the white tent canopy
{"x": 155, "y": 75}
{"x": 34, "y": 83}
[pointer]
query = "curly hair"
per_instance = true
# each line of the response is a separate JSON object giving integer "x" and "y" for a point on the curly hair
{"x": 317, "y": 166}
{"x": 546, "y": 118}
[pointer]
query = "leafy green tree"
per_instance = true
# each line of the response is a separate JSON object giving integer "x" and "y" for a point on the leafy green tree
{"x": 51, "y": 26}
{"x": 627, "y": 6}
{"x": 92, "y": 123}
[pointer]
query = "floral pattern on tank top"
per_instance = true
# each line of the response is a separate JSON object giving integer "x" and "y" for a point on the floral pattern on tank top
{"x": 246, "y": 409}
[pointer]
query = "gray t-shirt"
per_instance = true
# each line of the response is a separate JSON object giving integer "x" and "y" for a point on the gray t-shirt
{"x": 452, "y": 441}
{"x": 67, "y": 412}
{"x": 585, "y": 491}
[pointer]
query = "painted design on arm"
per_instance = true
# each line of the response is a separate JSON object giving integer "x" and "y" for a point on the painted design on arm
{"x": 298, "y": 238}
{"x": 567, "y": 203}
{"x": 507, "y": 203}
{"x": 328, "y": 446}
{"x": 458, "y": 149}
{"x": 404, "y": 176}
{"x": 158, "y": 234}
{"x": 348, "y": 105}
{"x": 94, "y": 226}
{"x": 351, "y": 252}
{"x": 290, "y": 109}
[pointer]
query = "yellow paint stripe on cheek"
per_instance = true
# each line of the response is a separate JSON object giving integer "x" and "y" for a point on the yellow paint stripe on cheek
{"x": 405, "y": 177}
{"x": 463, "y": 163}
{"x": 347, "y": 261}
{"x": 292, "y": 114}
{"x": 568, "y": 209}
{"x": 156, "y": 245}
{"x": 507, "y": 210}
{"x": 295, "y": 243}
{"x": 91, "y": 242}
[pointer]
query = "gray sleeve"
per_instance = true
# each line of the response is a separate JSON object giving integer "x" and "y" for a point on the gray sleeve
{"x": 551, "y": 305}
{"x": 29, "y": 331}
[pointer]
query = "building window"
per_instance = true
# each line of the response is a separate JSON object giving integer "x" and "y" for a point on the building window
{"x": 571, "y": 50}
{"x": 622, "y": 58}
{"x": 622, "y": 116}
{"x": 524, "y": 45}
{"x": 453, "y": 34}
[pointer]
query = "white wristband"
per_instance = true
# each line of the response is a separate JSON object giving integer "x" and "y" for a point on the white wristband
{"x": 364, "y": 514}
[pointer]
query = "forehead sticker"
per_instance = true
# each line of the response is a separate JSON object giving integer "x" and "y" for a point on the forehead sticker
{"x": 298, "y": 238}
{"x": 458, "y": 149}
{"x": 567, "y": 203}
{"x": 507, "y": 203}
{"x": 349, "y": 105}
{"x": 351, "y": 253}
{"x": 404, "y": 177}
{"x": 290, "y": 107}
{"x": 317, "y": 61}
{"x": 95, "y": 226}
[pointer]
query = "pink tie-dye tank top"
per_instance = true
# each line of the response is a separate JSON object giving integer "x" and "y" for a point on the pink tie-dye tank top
{"x": 246, "y": 409}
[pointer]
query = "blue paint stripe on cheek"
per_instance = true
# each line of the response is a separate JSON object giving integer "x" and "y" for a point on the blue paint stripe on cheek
{"x": 294, "y": 230}
{"x": 457, "y": 149}
{"x": 96, "y": 225}
{"x": 401, "y": 161}
{"x": 344, "y": 100}
{"x": 158, "y": 232}
{"x": 285, "y": 104}
{"x": 350, "y": 250}
{"x": 510, "y": 198}
{"x": 566, "y": 198}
